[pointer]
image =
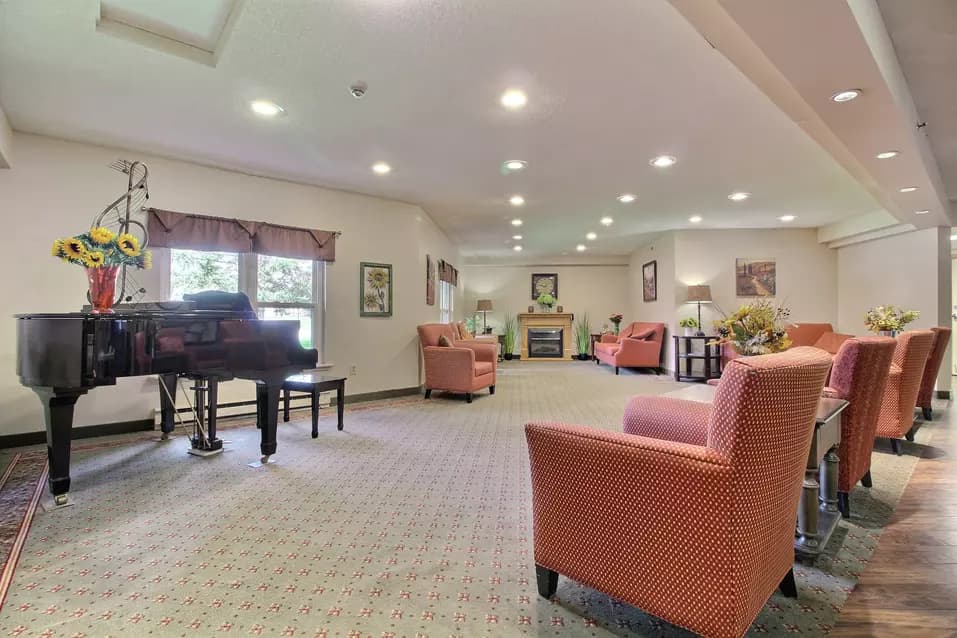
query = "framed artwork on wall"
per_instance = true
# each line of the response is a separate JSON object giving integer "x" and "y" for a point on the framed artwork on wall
{"x": 649, "y": 281}
{"x": 755, "y": 277}
{"x": 544, "y": 283}
{"x": 375, "y": 290}
{"x": 429, "y": 281}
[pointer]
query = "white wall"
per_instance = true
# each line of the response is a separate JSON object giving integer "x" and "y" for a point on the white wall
{"x": 662, "y": 251}
{"x": 911, "y": 271}
{"x": 57, "y": 187}
{"x": 6, "y": 142}
{"x": 596, "y": 289}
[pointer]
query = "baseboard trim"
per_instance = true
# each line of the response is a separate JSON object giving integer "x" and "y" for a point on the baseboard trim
{"x": 85, "y": 432}
{"x": 943, "y": 394}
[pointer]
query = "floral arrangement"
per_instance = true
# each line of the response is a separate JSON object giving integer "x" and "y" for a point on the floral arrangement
{"x": 546, "y": 299}
{"x": 616, "y": 318}
{"x": 101, "y": 247}
{"x": 888, "y": 318}
{"x": 755, "y": 328}
{"x": 688, "y": 322}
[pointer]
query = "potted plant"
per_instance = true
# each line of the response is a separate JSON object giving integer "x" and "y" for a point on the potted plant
{"x": 615, "y": 319}
{"x": 888, "y": 320}
{"x": 755, "y": 328}
{"x": 583, "y": 337}
{"x": 689, "y": 324}
{"x": 509, "y": 331}
{"x": 546, "y": 301}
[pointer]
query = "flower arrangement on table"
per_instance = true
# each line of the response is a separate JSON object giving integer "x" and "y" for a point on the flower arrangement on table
{"x": 615, "y": 319}
{"x": 890, "y": 319}
{"x": 102, "y": 252}
{"x": 546, "y": 300}
{"x": 755, "y": 328}
{"x": 689, "y": 324}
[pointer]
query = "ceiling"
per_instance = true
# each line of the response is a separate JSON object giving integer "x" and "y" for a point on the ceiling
{"x": 611, "y": 83}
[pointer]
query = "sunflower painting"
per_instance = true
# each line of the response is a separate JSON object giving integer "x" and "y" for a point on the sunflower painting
{"x": 375, "y": 290}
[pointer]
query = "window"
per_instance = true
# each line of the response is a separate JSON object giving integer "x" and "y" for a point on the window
{"x": 278, "y": 287}
{"x": 446, "y": 296}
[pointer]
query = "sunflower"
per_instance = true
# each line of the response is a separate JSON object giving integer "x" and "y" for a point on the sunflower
{"x": 73, "y": 248}
{"x": 57, "y": 250}
{"x": 101, "y": 235}
{"x": 128, "y": 244}
{"x": 147, "y": 258}
{"x": 93, "y": 259}
{"x": 378, "y": 278}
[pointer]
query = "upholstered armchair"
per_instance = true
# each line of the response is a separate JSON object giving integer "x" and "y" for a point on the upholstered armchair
{"x": 698, "y": 533}
{"x": 896, "y": 417}
{"x": 929, "y": 379}
{"x": 638, "y": 345}
{"x": 464, "y": 367}
{"x": 461, "y": 333}
{"x": 859, "y": 376}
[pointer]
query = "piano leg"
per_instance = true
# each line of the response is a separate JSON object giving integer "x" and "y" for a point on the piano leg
{"x": 167, "y": 404}
{"x": 212, "y": 393}
{"x": 268, "y": 408}
{"x": 58, "y": 414}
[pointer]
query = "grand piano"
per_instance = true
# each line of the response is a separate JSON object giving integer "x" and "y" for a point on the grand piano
{"x": 62, "y": 356}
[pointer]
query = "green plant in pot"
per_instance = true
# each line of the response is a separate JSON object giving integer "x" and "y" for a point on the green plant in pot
{"x": 583, "y": 336}
{"x": 690, "y": 324}
{"x": 546, "y": 301}
{"x": 509, "y": 331}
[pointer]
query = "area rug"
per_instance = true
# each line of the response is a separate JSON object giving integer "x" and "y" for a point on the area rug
{"x": 413, "y": 521}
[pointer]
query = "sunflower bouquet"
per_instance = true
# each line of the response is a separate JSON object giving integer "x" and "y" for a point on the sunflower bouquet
{"x": 101, "y": 247}
{"x": 755, "y": 328}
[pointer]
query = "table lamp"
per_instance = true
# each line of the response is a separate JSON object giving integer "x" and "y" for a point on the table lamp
{"x": 484, "y": 306}
{"x": 699, "y": 295}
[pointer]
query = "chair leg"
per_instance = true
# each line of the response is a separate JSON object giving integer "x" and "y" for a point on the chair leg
{"x": 844, "y": 504}
{"x": 468, "y": 397}
{"x": 928, "y": 414}
{"x": 616, "y": 370}
{"x": 491, "y": 389}
{"x": 547, "y": 581}
{"x": 896, "y": 445}
{"x": 428, "y": 393}
{"x": 910, "y": 433}
{"x": 866, "y": 479}
{"x": 788, "y": 585}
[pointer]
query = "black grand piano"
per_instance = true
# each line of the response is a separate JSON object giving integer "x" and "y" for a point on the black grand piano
{"x": 62, "y": 356}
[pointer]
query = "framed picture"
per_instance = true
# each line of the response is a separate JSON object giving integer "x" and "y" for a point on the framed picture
{"x": 375, "y": 290}
{"x": 755, "y": 277}
{"x": 544, "y": 283}
{"x": 649, "y": 281}
{"x": 429, "y": 281}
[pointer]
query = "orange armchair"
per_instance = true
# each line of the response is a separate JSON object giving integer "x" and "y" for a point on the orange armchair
{"x": 638, "y": 345}
{"x": 699, "y": 534}
{"x": 896, "y": 417}
{"x": 465, "y": 367}
{"x": 929, "y": 379}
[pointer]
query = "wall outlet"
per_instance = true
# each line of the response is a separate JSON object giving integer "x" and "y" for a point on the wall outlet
{"x": 352, "y": 371}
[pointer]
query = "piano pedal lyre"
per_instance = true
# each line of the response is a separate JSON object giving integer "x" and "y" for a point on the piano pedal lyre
{"x": 204, "y": 441}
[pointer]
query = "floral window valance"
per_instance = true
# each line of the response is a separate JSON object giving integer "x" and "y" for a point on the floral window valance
{"x": 448, "y": 272}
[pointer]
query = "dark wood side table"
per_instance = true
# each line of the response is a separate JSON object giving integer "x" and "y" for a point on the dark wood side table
{"x": 711, "y": 356}
{"x": 594, "y": 338}
{"x": 313, "y": 383}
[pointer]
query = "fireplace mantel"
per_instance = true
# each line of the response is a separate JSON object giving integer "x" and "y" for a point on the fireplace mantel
{"x": 561, "y": 320}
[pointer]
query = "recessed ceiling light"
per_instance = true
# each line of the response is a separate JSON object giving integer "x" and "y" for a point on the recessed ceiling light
{"x": 516, "y": 222}
{"x": 591, "y": 236}
{"x": 515, "y": 165}
{"x": 739, "y": 196}
{"x": 514, "y": 99}
{"x": 580, "y": 248}
{"x": 265, "y": 108}
{"x": 786, "y": 218}
{"x": 381, "y": 168}
{"x": 695, "y": 219}
{"x": 845, "y": 96}
{"x": 663, "y": 161}
{"x": 516, "y": 200}
{"x": 887, "y": 155}
{"x": 517, "y": 248}
{"x": 606, "y": 221}
{"x": 921, "y": 212}
{"x": 517, "y": 237}
{"x": 908, "y": 189}
{"x": 626, "y": 198}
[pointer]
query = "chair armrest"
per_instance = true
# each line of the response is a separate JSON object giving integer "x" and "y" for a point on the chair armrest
{"x": 667, "y": 418}
{"x": 448, "y": 368}
{"x": 483, "y": 351}
{"x": 609, "y": 338}
{"x": 830, "y": 393}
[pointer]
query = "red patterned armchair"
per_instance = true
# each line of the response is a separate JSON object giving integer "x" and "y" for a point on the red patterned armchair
{"x": 929, "y": 380}
{"x": 859, "y": 376}
{"x": 698, "y": 531}
{"x": 464, "y": 367}
{"x": 638, "y": 345}
{"x": 896, "y": 418}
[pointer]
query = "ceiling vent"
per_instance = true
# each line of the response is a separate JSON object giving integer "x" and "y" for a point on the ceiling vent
{"x": 193, "y": 30}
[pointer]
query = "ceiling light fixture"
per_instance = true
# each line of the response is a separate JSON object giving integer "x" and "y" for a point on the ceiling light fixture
{"x": 846, "y": 95}
{"x": 663, "y": 161}
{"x": 381, "y": 168}
{"x": 606, "y": 221}
{"x": 265, "y": 108}
{"x": 516, "y": 200}
{"x": 514, "y": 99}
{"x": 887, "y": 154}
{"x": 908, "y": 189}
{"x": 515, "y": 165}
{"x": 786, "y": 218}
{"x": 517, "y": 248}
{"x": 517, "y": 237}
{"x": 591, "y": 236}
{"x": 580, "y": 248}
{"x": 921, "y": 212}
{"x": 695, "y": 219}
{"x": 516, "y": 222}
{"x": 739, "y": 196}
{"x": 626, "y": 198}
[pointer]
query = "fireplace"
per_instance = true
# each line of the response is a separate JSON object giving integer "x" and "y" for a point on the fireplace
{"x": 545, "y": 343}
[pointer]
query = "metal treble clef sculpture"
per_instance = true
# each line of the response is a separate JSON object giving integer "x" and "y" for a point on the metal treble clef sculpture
{"x": 119, "y": 217}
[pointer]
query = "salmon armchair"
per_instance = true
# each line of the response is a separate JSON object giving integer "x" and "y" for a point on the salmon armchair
{"x": 637, "y": 346}
{"x": 697, "y": 533}
{"x": 896, "y": 419}
{"x": 465, "y": 367}
{"x": 929, "y": 379}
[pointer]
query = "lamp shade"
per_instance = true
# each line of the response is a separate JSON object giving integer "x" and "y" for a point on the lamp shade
{"x": 483, "y": 305}
{"x": 699, "y": 293}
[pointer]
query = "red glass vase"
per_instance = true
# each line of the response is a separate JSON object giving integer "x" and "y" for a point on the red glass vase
{"x": 102, "y": 288}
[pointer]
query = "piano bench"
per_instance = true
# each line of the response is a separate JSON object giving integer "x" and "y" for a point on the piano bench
{"x": 313, "y": 383}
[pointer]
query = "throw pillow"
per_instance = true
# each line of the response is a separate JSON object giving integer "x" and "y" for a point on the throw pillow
{"x": 644, "y": 335}
{"x": 444, "y": 342}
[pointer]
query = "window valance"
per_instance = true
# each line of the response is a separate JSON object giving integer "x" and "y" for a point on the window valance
{"x": 448, "y": 272}
{"x": 170, "y": 229}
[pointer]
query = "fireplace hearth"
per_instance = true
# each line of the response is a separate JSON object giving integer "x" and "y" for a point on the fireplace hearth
{"x": 545, "y": 343}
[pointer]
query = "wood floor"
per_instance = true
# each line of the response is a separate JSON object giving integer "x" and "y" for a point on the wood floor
{"x": 909, "y": 587}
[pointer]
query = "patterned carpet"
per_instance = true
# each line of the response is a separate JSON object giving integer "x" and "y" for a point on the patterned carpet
{"x": 414, "y": 521}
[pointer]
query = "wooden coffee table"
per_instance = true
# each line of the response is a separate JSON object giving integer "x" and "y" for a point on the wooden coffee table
{"x": 313, "y": 383}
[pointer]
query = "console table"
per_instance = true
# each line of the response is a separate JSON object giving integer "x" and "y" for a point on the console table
{"x": 711, "y": 356}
